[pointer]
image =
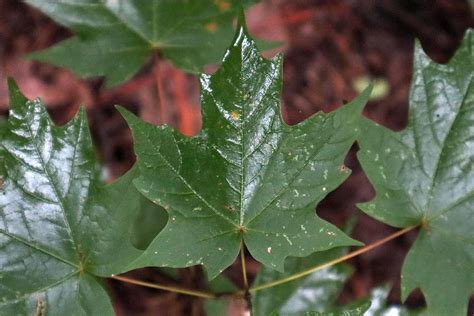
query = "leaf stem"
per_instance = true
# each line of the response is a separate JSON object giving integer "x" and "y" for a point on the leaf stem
{"x": 174, "y": 289}
{"x": 159, "y": 90}
{"x": 244, "y": 267}
{"x": 335, "y": 261}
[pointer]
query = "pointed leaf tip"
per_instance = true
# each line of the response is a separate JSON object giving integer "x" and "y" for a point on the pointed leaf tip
{"x": 361, "y": 100}
{"x": 127, "y": 115}
{"x": 12, "y": 85}
{"x": 241, "y": 20}
{"x": 16, "y": 96}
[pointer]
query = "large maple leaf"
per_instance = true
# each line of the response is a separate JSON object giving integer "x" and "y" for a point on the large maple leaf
{"x": 247, "y": 177}
{"x": 424, "y": 175}
{"x": 60, "y": 227}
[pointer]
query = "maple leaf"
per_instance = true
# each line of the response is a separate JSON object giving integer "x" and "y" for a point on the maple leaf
{"x": 247, "y": 177}
{"x": 115, "y": 38}
{"x": 423, "y": 175}
{"x": 60, "y": 227}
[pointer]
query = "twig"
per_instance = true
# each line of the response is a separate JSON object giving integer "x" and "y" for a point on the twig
{"x": 174, "y": 289}
{"x": 244, "y": 268}
{"x": 159, "y": 90}
{"x": 245, "y": 293}
{"x": 333, "y": 262}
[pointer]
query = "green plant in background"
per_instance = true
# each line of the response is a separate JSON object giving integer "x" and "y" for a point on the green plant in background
{"x": 247, "y": 180}
{"x": 115, "y": 38}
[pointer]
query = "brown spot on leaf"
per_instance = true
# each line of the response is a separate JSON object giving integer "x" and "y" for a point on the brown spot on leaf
{"x": 235, "y": 116}
{"x": 40, "y": 306}
{"x": 229, "y": 208}
{"x": 343, "y": 168}
{"x": 211, "y": 27}
{"x": 223, "y": 5}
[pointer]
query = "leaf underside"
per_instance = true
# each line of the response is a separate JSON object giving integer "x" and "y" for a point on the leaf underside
{"x": 424, "y": 175}
{"x": 115, "y": 38}
{"x": 60, "y": 227}
{"x": 247, "y": 175}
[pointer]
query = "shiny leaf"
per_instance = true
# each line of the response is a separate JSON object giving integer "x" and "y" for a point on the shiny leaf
{"x": 247, "y": 175}
{"x": 60, "y": 227}
{"x": 115, "y": 38}
{"x": 424, "y": 175}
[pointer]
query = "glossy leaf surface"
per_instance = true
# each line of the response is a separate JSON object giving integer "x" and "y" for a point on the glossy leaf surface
{"x": 247, "y": 175}
{"x": 424, "y": 175}
{"x": 59, "y": 226}
{"x": 115, "y": 38}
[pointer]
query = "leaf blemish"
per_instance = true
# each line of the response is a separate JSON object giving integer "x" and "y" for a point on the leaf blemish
{"x": 235, "y": 116}
{"x": 222, "y": 4}
{"x": 40, "y": 306}
{"x": 211, "y": 27}
{"x": 343, "y": 168}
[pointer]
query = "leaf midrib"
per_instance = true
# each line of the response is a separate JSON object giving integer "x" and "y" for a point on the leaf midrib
{"x": 437, "y": 169}
{"x": 52, "y": 183}
{"x": 190, "y": 187}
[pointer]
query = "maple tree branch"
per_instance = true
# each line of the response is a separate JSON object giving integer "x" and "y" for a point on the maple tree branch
{"x": 197, "y": 293}
{"x": 335, "y": 261}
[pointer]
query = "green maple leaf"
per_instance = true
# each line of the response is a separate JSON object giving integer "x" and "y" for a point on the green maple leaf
{"x": 424, "y": 175}
{"x": 60, "y": 228}
{"x": 247, "y": 177}
{"x": 115, "y": 38}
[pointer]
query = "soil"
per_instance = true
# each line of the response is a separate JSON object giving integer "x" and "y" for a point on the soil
{"x": 328, "y": 46}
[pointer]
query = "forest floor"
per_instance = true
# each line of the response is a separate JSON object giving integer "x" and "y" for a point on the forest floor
{"x": 328, "y": 46}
